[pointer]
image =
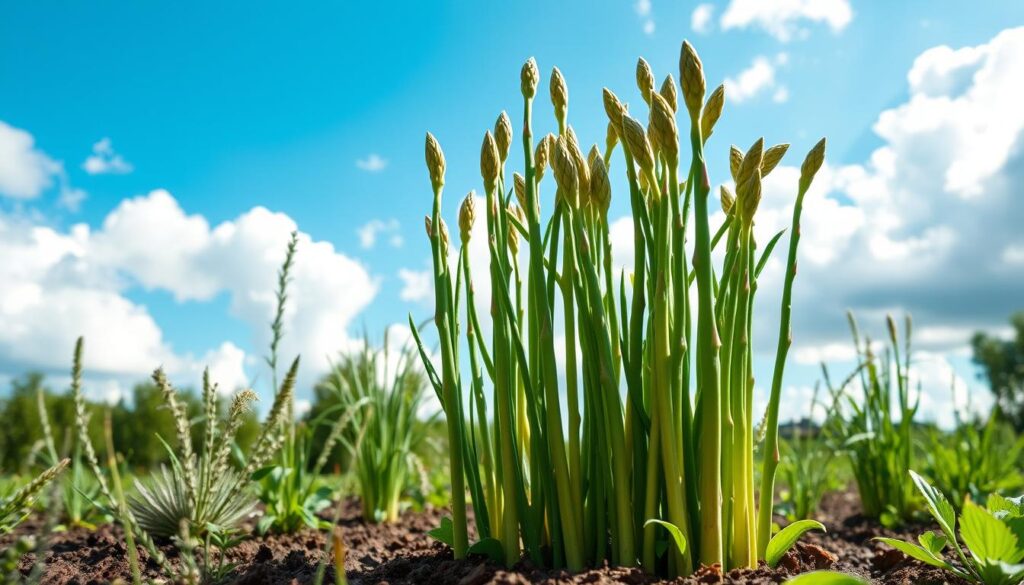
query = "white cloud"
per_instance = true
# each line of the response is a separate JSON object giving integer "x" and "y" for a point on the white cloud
{"x": 418, "y": 285}
{"x": 369, "y": 233}
{"x": 104, "y": 161}
{"x": 373, "y": 163}
{"x": 25, "y": 171}
{"x": 826, "y": 353}
{"x": 928, "y": 224}
{"x": 61, "y": 284}
{"x": 701, "y": 19}
{"x": 643, "y": 10}
{"x": 757, "y": 79}
{"x": 783, "y": 19}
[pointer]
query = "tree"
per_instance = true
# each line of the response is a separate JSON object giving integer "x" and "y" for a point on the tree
{"x": 1002, "y": 364}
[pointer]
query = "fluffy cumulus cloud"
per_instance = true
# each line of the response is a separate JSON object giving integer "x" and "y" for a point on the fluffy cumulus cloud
{"x": 758, "y": 79}
{"x": 786, "y": 19}
{"x": 57, "y": 285}
{"x": 26, "y": 172}
{"x": 925, "y": 224}
{"x": 104, "y": 161}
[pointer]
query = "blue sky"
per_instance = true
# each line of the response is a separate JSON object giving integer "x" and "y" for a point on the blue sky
{"x": 319, "y": 113}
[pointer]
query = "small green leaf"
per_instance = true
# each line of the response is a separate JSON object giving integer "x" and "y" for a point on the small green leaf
{"x": 826, "y": 578}
{"x": 489, "y": 547}
{"x": 938, "y": 505}
{"x": 677, "y": 534}
{"x": 933, "y": 542}
{"x": 787, "y": 537}
{"x": 445, "y": 532}
{"x": 916, "y": 552}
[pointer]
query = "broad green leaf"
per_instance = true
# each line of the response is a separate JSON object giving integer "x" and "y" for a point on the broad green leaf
{"x": 914, "y": 551}
{"x": 938, "y": 505}
{"x": 988, "y": 538}
{"x": 933, "y": 542}
{"x": 677, "y": 534}
{"x": 787, "y": 537}
{"x": 826, "y": 578}
{"x": 489, "y": 547}
{"x": 445, "y": 532}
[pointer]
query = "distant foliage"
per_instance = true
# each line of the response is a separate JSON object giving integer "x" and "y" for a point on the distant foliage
{"x": 137, "y": 423}
{"x": 1002, "y": 364}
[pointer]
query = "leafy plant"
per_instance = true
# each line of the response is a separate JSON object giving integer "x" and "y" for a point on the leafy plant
{"x": 202, "y": 490}
{"x": 994, "y": 537}
{"x": 574, "y": 477}
{"x": 975, "y": 459}
{"x": 876, "y": 430}
{"x": 198, "y": 501}
{"x": 383, "y": 394}
{"x": 291, "y": 487}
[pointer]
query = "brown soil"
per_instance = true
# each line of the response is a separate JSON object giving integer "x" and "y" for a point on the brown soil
{"x": 403, "y": 553}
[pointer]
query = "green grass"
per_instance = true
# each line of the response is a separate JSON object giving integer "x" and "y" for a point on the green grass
{"x": 876, "y": 429}
{"x": 383, "y": 392}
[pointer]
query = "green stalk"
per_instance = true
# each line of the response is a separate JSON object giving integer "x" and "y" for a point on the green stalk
{"x": 477, "y": 388}
{"x": 612, "y": 405}
{"x": 708, "y": 374}
{"x": 504, "y": 385}
{"x": 449, "y": 382}
{"x": 771, "y": 459}
{"x": 661, "y": 380}
{"x": 740, "y": 553}
{"x": 571, "y": 390}
{"x": 570, "y": 521}
{"x": 681, "y": 329}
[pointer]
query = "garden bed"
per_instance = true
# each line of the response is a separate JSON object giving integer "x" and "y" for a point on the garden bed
{"x": 404, "y": 553}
